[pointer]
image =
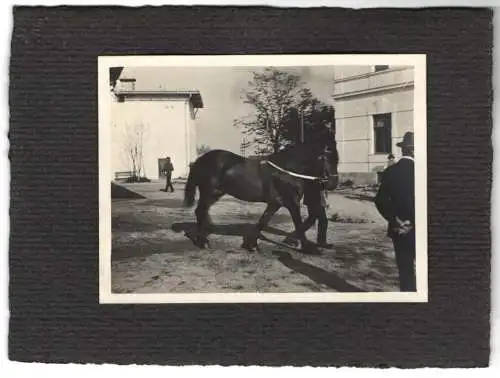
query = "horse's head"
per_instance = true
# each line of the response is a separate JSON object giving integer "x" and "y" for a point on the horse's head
{"x": 317, "y": 156}
{"x": 323, "y": 148}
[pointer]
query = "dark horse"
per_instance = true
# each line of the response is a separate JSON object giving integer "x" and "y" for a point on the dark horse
{"x": 277, "y": 181}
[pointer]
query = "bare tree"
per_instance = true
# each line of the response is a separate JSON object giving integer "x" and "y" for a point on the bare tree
{"x": 134, "y": 148}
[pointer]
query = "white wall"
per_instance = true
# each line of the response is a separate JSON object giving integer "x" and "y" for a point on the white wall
{"x": 165, "y": 134}
{"x": 354, "y": 79}
{"x": 354, "y": 127}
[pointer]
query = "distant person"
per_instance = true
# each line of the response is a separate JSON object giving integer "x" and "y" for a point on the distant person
{"x": 390, "y": 160}
{"x": 168, "y": 169}
{"x": 395, "y": 200}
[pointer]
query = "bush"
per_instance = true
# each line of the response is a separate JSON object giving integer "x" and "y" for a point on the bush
{"x": 338, "y": 219}
{"x": 347, "y": 183}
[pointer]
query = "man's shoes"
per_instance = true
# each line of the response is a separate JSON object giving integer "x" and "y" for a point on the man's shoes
{"x": 325, "y": 245}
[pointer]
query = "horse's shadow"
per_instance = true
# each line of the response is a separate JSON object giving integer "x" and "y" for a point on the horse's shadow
{"x": 238, "y": 229}
{"x": 316, "y": 274}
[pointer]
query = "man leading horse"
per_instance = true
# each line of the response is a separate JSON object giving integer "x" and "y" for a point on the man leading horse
{"x": 277, "y": 181}
{"x": 315, "y": 198}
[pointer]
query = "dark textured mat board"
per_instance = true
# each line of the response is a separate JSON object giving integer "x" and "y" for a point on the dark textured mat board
{"x": 55, "y": 314}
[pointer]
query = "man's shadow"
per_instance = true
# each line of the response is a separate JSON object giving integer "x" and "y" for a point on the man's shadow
{"x": 316, "y": 274}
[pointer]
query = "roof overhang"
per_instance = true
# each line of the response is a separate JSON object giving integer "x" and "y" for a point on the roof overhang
{"x": 374, "y": 91}
{"x": 193, "y": 96}
{"x": 114, "y": 74}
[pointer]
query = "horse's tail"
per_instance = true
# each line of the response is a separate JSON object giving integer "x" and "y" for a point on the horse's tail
{"x": 190, "y": 188}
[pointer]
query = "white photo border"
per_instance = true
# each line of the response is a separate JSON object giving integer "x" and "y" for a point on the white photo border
{"x": 418, "y": 61}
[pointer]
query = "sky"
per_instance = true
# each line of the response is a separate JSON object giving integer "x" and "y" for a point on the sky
{"x": 221, "y": 88}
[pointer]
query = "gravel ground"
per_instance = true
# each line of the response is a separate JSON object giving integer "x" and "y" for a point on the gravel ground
{"x": 151, "y": 254}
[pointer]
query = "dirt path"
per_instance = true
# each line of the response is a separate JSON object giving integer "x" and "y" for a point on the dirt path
{"x": 151, "y": 254}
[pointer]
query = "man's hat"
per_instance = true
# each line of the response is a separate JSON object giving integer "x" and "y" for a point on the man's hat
{"x": 407, "y": 140}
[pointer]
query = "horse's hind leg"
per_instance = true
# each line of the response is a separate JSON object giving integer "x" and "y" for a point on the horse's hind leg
{"x": 250, "y": 241}
{"x": 203, "y": 217}
{"x": 200, "y": 218}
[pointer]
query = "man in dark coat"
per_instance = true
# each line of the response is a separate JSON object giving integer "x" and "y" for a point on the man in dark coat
{"x": 168, "y": 169}
{"x": 395, "y": 200}
{"x": 315, "y": 200}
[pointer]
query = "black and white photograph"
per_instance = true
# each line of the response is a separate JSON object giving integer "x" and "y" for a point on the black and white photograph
{"x": 263, "y": 178}
{"x": 250, "y": 187}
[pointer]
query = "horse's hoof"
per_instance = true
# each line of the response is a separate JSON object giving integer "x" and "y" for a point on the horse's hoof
{"x": 200, "y": 243}
{"x": 312, "y": 251}
{"x": 291, "y": 242}
{"x": 248, "y": 247}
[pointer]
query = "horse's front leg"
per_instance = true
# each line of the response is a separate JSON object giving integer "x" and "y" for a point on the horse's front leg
{"x": 201, "y": 212}
{"x": 300, "y": 229}
{"x": 250, "y": 241}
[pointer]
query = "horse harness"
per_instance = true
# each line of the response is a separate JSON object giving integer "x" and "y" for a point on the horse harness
{"x": 294, "y": 174}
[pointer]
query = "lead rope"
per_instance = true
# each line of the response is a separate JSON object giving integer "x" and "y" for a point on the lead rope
{"x": 306, "y": 177}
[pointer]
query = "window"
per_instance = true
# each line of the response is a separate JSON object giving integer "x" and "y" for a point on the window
{"x": 127, "y": 84}
{"x": 382, "y": 133}
{"x": 381, "y": 68}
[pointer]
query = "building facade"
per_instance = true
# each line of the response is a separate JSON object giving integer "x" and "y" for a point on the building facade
{"x": 149, "y": 125}
{"x": 373, "y": 110}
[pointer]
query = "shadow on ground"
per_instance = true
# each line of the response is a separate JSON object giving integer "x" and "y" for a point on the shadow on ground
{"x": 120, "y": 192}
{"x": 151, "y": 248}
{"x": 318, "y": 275}
{"x": 238, "y": 229}
{"x": 170, "y": 203}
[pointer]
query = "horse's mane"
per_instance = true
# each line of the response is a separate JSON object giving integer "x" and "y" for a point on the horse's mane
{"x": 309, "y": 147}
{"x": 292, "y": 150}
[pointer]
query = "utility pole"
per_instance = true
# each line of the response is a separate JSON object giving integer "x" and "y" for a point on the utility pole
{"x": 243, "y": 147}
{"x": 302, "y": 126}
{"x": 273, "y": 132}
